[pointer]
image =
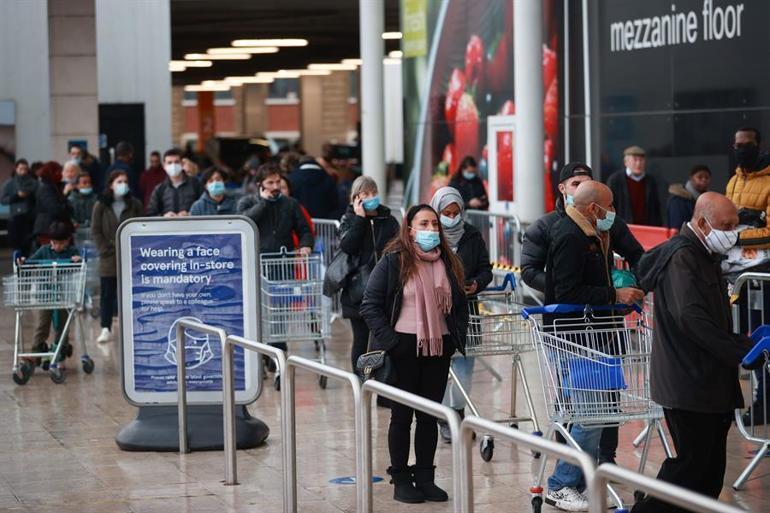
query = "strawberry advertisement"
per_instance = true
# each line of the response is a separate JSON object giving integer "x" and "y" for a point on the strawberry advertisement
{"x": 465, "y": 76}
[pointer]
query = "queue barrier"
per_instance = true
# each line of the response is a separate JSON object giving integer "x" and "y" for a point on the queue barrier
{"x": 597, "y": 479}
{"x": 502, "y": 233}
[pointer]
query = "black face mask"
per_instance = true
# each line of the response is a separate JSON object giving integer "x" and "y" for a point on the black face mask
{"x": 746, "y": 156}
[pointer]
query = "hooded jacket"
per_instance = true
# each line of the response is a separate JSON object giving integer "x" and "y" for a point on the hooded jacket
{"x": 315, "y": 190}
{"x": 681, "y": 205}
{"x": 695, "y": 354}
{"x": 534, "y": 251}
{"x": 206, "y": 206}
{"x": 622, "y": 199}
{"x": 751, "y": 191}
{"x": 276, "y": 220}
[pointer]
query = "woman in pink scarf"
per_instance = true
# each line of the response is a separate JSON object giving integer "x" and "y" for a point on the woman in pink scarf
{"x": 416, "y": 309}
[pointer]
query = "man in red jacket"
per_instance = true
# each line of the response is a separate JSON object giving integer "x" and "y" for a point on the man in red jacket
{"x": 151, "y": 178}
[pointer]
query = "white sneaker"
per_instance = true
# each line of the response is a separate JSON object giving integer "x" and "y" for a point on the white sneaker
{"x": 567, "y": 499}
{"x": 104, "y": 336}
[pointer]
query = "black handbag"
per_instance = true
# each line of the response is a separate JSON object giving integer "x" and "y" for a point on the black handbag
{"x": 376, "y": 365}
{"x": 357, "y": 280}
{"x": 337, "y": 273}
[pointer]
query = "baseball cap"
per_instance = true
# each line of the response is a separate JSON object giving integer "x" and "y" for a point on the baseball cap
{"x": 575, "y": 169}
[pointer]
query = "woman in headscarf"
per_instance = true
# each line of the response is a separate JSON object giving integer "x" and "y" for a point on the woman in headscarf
{"x": 469, "y": 246}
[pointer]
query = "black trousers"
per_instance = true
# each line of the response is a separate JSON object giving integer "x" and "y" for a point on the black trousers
{"x": 424, "y": 376}
{"x": 360, "y": 340}
{"x": 108, "y": 300}
{"x": 608, "y": 445}
{"x": 700, "y": 440}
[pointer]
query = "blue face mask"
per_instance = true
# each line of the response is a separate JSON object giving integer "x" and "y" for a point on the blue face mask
{"x": 449, "y": 222}
{"x": 569, "y": 200}
{"x": 371, "y": 203}
{"x": 120, "y": 189}
{"x": 216, "y": 188}
{"x": 85, "y": 191}
{"x": 427, "y": 240}
{"x": 469, "y": 175}
{"x": 604, "y": 225}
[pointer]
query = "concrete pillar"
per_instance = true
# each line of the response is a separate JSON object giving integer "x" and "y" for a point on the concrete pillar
{"x": 372, "y": 24}
{"x": 254, "y": 109}
{"x": 324, "y": 110}
{"x": 528, "y": 95}
{"x": 177, "y": 117}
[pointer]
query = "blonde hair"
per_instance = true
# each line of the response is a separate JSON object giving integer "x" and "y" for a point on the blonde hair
{"x": 363, "y": 184}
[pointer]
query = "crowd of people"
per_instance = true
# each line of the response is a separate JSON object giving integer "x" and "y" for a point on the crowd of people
{"x": 414, "y": 283}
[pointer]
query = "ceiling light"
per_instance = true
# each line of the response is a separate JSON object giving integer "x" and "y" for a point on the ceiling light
{"x": 333, "y": 67}
{"x": 249, "y": 50}
{"x": 305, "y": 72}
{"x": 213, "y": 57}
{"x": 248, "y": 80}
{"x": 392, "y": 35}
{"x": 200, "y": 88}
{"x": 287, "y": 74}
{"x": 172, "y": 67}
{"x": 352, "y": 62}
{"x": 396, "y": 54}
{"x": 269, "y": 42}
{"x": 197, "y": 64}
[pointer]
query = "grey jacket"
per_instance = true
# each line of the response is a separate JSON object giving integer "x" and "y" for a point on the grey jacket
{"x": 167, "y": 198}
{"x": 276, "y": 220}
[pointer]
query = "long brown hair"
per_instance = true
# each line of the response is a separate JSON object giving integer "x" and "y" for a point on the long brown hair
{"x": 403, "y": 244}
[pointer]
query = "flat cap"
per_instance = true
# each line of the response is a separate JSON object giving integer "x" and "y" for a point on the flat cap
{"x": 634, "y": 150}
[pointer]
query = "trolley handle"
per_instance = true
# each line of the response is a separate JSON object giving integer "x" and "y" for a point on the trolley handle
{"x": 758, "y": 356}
{"x": 563, "y": 308}
{"x": 509, "y": 279}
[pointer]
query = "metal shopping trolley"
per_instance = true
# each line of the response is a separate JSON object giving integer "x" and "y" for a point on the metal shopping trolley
{"x": 495, "y": 327}
{"x": 595, "y": 368}
{"x": 293, "y": 309}
{"x": 87, "y": 245}
{"x": 46, "y": 285}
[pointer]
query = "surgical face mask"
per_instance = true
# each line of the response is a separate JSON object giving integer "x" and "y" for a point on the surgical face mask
{"x": 469, "y": 175}
{"x": 450, "y": 222}
{"x": 371, "y": 203}
{"x": 569, "y": 200}
{"x": 720, "y": 241}
{"x": 604, "y": 225}
{"x": 173, "y": 170}
{"x": 746, "y": 155}
{"x": 86, "y": 190}
{"x": 120, "y": 189}
{"x": 427, "y": 240}
{"x": 216, "y": 188}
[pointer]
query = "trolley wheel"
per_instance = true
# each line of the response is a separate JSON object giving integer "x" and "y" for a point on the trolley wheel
{"x": 536, "y": 454}
{"x": 57, "y": 375}
{"x": 277, "y": 383}
{"x": 487, "y": 447}
{"x": 639, "y": 496}
{"x": 45, "y": 365}
{"x": 322, "y": 380}
{"x": 25, "y": 371}
{"x": 88, "y": 364}
{"x": 537, "y": 504}
{"x": 514, "y": 425}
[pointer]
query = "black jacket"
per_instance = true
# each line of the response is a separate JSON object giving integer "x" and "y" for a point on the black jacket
{"x": 534, "y": 251}
{"x": 359, "y": 237}
{"x": 381, "y": 306}
{"x": 695, "y": 355}
{"x": 470, "y": 189}
{"x": 579, "y": 263}
{"x": 276, "y": 221}
{"x": 472, "y": 252}
{"x": 680, "y": 206}
{"x": 622, "y": 200}
{"x": 167, "y": 198}
{"x": 315, "y": 190}
{"x": 20, "y": 206}
{"x": 50, "y": 206}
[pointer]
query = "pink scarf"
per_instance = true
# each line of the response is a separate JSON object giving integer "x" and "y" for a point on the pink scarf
{"x": 433, "y": 296}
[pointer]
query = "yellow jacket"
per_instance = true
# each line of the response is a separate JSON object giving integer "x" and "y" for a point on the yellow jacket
{"x": 752, "y": 191}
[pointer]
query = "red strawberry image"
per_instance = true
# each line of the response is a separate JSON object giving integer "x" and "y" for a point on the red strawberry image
{"x": 549, "y": 67}
{"x": 505, "y": 166}
{"x": 467, "y": 128}
{"x": 499, "y": 66}
{"x": 448, "y": 157}
{"x": 454, "y": 91}
{"x": 549, "y": 151}
{"x": 507, "y": 109}
{"x": 551, "y": 110}
{"x": 474, "y": 60}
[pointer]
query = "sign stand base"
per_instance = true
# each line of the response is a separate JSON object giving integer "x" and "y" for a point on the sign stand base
{"x": 156, "y": 429}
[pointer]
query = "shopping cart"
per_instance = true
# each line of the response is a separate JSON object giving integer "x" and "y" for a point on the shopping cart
{"x": 293, "y": 309}
{"x": 86, "y": 244}
{"x": 495, "y": 328}
{"x": 594, "y": 368}
{"x": 46, "y": 285}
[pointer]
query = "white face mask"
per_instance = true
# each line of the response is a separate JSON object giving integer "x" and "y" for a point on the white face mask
{"x": 720, "y": 241}
{"x": 173, "y": 170}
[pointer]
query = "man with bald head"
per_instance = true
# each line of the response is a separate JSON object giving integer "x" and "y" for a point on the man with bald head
{"x": 578, "y": 271}
{"x": 695, "y": 354}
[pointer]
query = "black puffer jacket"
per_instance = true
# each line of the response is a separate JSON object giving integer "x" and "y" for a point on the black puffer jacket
{"x": 276, "y": 221}
{"x": 472, "y": 252}
{"x": 167, "y": 198}
{"x": 362, "y": 237}
{"x": 534, "y": 251}
{"x": 381, "y": 306}
{"x": 470, "y": 189}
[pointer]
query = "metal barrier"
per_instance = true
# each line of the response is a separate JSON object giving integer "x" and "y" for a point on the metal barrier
{"x": 363, "y": 480}
{"x": 502, "y": 232}
{"x": 181, "y": 373}
{"x": 418, "y": 403}
{"x": 532, "y": 442}
{"x": 327, "y": 243}
{"x": 662, "y": 490}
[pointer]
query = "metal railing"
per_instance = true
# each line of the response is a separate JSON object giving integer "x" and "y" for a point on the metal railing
{"x": 666, "y": 492}
{"x": 502, "y": 233}
{"x": 181, "y": 372}
{"x": 417, "y": 402}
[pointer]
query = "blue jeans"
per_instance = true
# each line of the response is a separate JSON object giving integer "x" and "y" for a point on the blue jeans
{"x": 568, "y": 475}
{"x": 463, "y": 367}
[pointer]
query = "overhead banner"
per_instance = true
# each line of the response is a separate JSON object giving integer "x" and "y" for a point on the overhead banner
{"x": 200, "y": 269}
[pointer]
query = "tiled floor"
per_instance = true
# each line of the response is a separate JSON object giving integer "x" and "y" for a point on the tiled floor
{"x": 58, "y": 454}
